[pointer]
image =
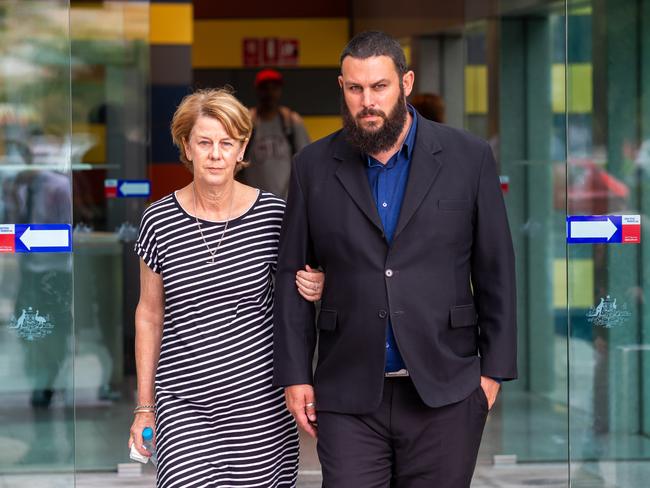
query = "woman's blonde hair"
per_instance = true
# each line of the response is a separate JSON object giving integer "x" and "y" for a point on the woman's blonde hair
{"x": 218, "y": 103}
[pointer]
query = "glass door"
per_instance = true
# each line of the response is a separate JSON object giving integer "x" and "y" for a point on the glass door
{"x": 608, "y": 197}
{"x": 36, "y": 299}
{"x": 515, "y": 98}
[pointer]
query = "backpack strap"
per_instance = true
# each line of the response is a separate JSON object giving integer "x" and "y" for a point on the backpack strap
{"x": 286, "y": 119}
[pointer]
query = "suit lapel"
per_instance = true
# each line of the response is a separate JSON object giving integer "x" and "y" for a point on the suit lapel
{"x": 425, "y": 166}
{"x": 351, "y": 172}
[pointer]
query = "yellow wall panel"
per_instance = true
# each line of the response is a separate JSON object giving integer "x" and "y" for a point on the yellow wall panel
{"x": 558, "y": 89}
{"x": 171, "y": 23}
{"x": 218, "y": 43}
{"x": 580, "y": 88}
{"x": 581, "y": 283}
{"x": 96, "y": 132}
{"x": 109, "y": 22}
{"x": 476, "y": 101}
{"x": 580, "y": 83}
{"x": 319, "y": 126}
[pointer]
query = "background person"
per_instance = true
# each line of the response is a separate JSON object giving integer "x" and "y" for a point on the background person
{"x": 430, "y": 106}
{"x": 278, "y": 134}
{"x": 203, "y": 322}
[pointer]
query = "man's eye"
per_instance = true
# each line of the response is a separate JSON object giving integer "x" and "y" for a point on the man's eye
{"x": 381, "y": 86}
{"x": 355, "y": 88}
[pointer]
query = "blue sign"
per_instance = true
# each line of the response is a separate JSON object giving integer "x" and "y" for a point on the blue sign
{"x": 127, "y": 188}
{"x": 43, "y": 238}
{"x": 603, "y": 229}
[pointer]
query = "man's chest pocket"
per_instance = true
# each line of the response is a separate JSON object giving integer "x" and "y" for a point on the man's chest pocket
{"x": 454, "y": 205}
{"x": 447, "y": 220}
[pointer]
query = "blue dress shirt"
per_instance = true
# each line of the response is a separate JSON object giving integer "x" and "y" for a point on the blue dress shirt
{"x": 388, "y": 185}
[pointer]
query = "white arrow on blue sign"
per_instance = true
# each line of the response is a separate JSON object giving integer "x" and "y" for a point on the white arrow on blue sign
{"x": 114, "y": 188}
{"x": 43, "y": 238}
{"x": 603, "y": 229}
{"x": 133, "y": 188}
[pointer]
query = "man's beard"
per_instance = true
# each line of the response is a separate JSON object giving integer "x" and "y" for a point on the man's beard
{"x": 378, "y": 140}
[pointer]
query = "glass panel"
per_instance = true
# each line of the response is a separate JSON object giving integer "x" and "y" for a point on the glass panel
{"x": 36, "y": 329}
{"x": 608, "y": 75}
{"x": 514, "y": 97}
{"x": 110, "y": 96}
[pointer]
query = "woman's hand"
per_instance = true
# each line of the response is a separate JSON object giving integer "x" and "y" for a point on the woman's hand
{"x": 142, "y": 420}
{"x": 310, "y": 283}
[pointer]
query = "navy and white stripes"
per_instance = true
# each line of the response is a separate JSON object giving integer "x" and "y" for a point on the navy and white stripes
{"x": 220, "y": 422}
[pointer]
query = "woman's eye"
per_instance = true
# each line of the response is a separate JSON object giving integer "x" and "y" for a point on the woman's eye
{"x": 204, "y": 143}
{"x": 227, "y": 144}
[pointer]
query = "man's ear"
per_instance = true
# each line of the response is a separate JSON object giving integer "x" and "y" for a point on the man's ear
{"x": 407, "y": 81}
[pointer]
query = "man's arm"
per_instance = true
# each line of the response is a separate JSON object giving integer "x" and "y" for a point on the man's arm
{"x": 493, "y": 277}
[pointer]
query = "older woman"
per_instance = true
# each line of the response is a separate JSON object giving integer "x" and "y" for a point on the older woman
{"x": 204, "y": 320}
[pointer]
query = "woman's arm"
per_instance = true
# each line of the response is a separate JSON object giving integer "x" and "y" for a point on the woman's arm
{"x": 149, "y": 317}
{"x": 310, "y": 283}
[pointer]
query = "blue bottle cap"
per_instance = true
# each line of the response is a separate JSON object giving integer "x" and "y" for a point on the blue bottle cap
{"x": 147, "y": 433}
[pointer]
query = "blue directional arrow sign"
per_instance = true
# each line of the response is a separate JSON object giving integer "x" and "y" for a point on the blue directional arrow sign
{"x": 594, "y": 229}
{"x": 43, "y": 238}
{"x": 133, "y": 188}
{"x": 114, "y": 188}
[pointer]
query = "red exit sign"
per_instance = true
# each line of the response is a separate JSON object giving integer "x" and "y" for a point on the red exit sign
{"x": 270, "y": 51}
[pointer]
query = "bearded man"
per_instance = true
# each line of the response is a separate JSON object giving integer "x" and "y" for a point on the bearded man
{"x": 417, "y": 325}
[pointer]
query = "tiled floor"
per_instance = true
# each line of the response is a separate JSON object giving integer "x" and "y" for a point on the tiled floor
{"x": 551, "y": 475}
{"x": 533, "y": 427}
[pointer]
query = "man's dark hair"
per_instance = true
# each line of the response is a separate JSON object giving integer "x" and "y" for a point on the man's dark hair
{"x": 376, "y": 43}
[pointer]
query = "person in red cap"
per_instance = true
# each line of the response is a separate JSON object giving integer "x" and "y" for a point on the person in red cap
{"x": 278, "y": 134}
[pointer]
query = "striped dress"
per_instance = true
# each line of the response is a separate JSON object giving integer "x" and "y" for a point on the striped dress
{"x": 219, "y": 420}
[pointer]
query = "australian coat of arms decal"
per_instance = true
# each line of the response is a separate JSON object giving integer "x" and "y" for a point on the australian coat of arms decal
{"x": 31, "y": 325}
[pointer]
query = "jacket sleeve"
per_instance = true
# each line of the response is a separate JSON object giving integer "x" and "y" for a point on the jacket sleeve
{"x": 493, "y": 276}
{"x": 294, "y": 334}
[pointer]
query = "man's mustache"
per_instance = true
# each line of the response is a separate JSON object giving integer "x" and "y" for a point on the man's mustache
{"x": 371, "y": 111}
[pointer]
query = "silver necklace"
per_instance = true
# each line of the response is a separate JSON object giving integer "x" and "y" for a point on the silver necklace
{"x": 213, "y": 254}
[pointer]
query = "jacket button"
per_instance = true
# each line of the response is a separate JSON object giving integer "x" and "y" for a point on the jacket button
{"x": 389, "y": 273}
{"x": 382, "y": 314}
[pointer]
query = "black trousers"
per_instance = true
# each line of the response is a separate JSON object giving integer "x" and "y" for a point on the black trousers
{"x": 404, "y": 444}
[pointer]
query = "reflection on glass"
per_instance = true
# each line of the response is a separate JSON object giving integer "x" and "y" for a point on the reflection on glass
{"x": 36, "y": 400}
{"x": 608, "y": 82}
{"x": 514, "y": 55}
{"x": 110, "y": 52}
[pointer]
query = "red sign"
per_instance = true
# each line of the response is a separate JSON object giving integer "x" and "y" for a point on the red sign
{"x": 631, "y": 229}
{"x": 270, "y": 51}
{"x": 110, "y": 188}
{"x": 505, "y": 183}
{"x": 7, "y": 238}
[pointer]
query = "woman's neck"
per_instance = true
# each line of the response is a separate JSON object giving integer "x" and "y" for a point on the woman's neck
{"x": 214, "y": 202}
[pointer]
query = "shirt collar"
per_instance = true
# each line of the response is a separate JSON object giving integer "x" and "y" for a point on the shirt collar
{"x": 409, "y": 140}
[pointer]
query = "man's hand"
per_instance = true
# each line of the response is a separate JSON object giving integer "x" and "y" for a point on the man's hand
{"x": 302, "y": 405}
{"x": 491, "y": 389}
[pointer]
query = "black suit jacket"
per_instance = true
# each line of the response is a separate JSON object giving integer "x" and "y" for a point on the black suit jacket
{"x": 447, "y": 281}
